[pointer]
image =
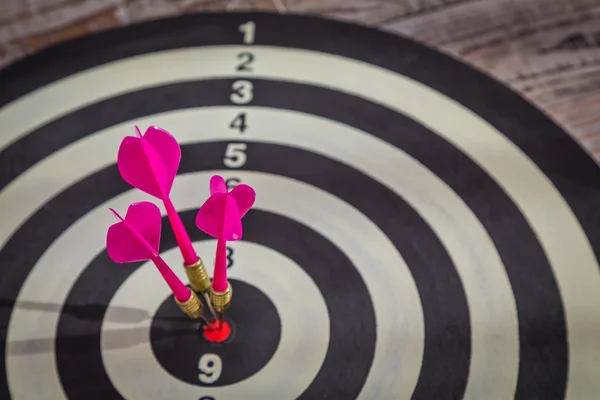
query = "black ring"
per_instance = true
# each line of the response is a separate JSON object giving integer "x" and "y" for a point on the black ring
{"x": 494, "y": 209}
{"x": 254, "y": 335}
{"x": 560, "y": 158}
{"x": 445, "y": 305}
{"x": 557, "y": 155}
{"x": 78, "y": 339}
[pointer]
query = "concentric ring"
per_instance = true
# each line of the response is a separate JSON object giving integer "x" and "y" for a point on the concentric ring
{"x": 378, "y": 253}
{"x": 290, "y": 288}
{"x": 505, "y": 181}
{"x": 250, "y": 336}
{"x": 318, "y": 257}
{"x": 417, "y": 186}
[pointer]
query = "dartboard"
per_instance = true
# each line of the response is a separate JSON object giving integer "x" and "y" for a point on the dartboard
{"x": 419, "y": 231}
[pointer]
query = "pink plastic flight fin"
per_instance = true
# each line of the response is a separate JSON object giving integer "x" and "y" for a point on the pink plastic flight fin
{"x": 244, "y": 196}
{"x": 217, "y": 185}
{"x": 150, "y": 163}
{"x": 137, "y": 238}
{"x": 219, "y": 281}
{"x": 221, "y": 217}
{"x": 231, "y": 228}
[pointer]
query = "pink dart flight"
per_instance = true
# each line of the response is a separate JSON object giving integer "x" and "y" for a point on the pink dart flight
{"x": 137, "y": 237}
{"x": 150, "y": 163}
{"x": 221, "y": 217}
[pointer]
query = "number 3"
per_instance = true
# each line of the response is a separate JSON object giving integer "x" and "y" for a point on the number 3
{"x": 234, "y": 155}
{"x": 242, "y": 92}
{"x": 210, "y": 368}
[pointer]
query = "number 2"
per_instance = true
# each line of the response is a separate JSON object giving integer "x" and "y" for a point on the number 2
{"x": 210, "y": 367}
{"x": 245, "y": 65}
{"x": 248, "y": 30}
{"x": 234, "y": 155}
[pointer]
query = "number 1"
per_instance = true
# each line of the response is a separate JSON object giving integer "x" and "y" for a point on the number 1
{"x": 248, "y": 30}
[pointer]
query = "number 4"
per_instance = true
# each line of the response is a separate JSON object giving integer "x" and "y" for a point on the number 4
{"x": 234, "y": 155}
{"x": 239, "y": 122}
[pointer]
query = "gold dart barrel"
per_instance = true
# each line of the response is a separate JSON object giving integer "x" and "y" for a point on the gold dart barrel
{"x": 192, "y": 307}
{"x": 197, "y": 276}
{"x": 221, "y": 300}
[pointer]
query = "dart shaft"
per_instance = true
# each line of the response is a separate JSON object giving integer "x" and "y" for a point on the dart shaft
{"x": 181, "y": 236}
{"x": 197, "y": 276}
{"x": 210, "y": 307}
{"x": 180, "y": 291}
{"x": 192, "y": 306}
{"x": 219, "y": 282}
{"x": 221, "y": 300}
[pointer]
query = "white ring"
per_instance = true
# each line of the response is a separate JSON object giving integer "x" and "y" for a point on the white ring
{"x": 488, "y": 292}
{"x": 135, "y": 372}
{"x": 386, "y": 276}
{"x": 575, "y": 266}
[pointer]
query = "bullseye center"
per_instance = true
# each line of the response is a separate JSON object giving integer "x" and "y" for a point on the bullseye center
{"x": 217, "y": 331}
{"x": 225, "y": 354}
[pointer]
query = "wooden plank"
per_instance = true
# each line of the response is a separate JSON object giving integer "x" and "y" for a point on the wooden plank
{"x": 547, "y": 50}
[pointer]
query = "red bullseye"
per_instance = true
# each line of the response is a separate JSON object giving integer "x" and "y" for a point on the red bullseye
{"x": 217, "y": 331}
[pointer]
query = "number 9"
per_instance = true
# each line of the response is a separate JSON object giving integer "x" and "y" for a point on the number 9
{"x": 210, "y": 368}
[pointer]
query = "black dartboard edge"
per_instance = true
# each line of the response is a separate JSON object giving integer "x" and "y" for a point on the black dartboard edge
{"x": 420, "y": 231}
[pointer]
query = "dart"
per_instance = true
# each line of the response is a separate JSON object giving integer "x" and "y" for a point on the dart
{"x": 149, "y": 163}
{"x": 137, "y": 238}
{"x": 221, "y": 217}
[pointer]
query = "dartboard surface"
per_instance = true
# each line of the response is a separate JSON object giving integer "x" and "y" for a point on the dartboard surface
{"x": 420, "y": 231}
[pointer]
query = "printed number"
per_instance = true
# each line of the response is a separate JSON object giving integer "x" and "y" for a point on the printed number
{"x": 232, "y": 182}
{"x": 242, "y": 92}
{"x": 248, "y": 58}
{"x": 229, "y": 257}
{"x": 248, "y": 30}
{"x": 206, "y": 398}
{"x": 234, "y": 155}
{"x": 239, "y": 122}
{"x": 210, "y": 368}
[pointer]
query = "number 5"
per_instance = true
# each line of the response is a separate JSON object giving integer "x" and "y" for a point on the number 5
{"x": 210, "y": 368}
{"x": 234, "y": 155}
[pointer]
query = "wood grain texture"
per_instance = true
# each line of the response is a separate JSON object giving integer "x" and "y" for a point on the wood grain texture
{"x": 547, "y": 50}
